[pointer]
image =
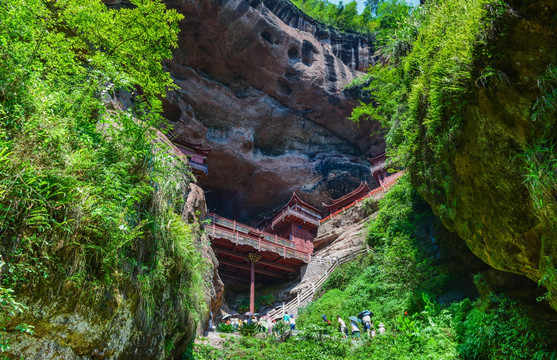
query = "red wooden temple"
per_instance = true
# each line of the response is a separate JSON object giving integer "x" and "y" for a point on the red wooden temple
{"x": 280, "y": 245}
{"x": 380, "y": 172}
{"x": 349, "y": 198}
{"x": 297, "y": 220}
{"x": 274, "y": 252}
{"x": 196, "y": 154}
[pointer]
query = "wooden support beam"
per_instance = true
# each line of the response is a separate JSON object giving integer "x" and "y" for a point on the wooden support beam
{"x": 262, "y": 262}
{"x": 247, "y": 267}
{"x": 235, "y": 277}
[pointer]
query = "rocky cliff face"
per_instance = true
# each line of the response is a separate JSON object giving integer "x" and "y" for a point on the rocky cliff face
{"x": 495, "y": 214}
{"x": 263, "y": 85}
{"x": 123, "y": 321}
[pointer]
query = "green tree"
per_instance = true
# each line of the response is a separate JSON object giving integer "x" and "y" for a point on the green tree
{"x": 85, "y": 192}
{"x": 346, "y": 17}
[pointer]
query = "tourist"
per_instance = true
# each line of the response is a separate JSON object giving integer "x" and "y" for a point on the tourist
{"x": 342, "y": 327}
{"x": 324, "y": 317}
{"x": 264, "y": 325}
{"x": 355, "y": 329}
{"x": 367, "y": 322}
{"x": 381, "y": 329}
{"x": 286, "y": 318}
{"x": 292, "y": 322}
{"x": 373, "y": 333}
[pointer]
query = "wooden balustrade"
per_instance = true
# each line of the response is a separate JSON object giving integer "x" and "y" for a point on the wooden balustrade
{"x": 257, "y": 242}
{"x": 292, "y": 211}
{"x": 373, "y": 192}
{"x": 233, "y": 225}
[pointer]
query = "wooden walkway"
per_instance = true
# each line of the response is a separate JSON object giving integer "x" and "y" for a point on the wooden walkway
{"x": 372, "y": 193}
{"x": 240, "y": 234}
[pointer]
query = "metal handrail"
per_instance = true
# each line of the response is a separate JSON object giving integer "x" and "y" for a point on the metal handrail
{"x": 307, "y": 294}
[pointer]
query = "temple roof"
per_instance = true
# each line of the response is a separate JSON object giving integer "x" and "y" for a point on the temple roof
{"x": 379, "y": 158}
{"x": 296, "y": 200}
{"x": 362, "y": 190}
{"x": 197, "y": 148}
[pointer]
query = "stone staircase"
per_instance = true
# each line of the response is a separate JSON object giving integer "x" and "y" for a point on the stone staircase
{"x": 304, "y": 297}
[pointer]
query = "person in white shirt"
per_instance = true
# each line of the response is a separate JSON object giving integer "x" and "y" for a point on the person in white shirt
{"x": 342, "y": 326}
{"x": 292, "y": 322}
{"x": 367, "y": 323}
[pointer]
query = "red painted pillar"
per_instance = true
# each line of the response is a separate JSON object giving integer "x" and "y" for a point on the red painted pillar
{"x": 252, "y": 290}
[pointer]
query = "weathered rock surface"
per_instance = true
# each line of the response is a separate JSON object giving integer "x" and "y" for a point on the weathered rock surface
{"x": 117, "y": 324}
{"x": 263, "y": 85}
{"x": 341, "y": 236}
{"x": 494, "y": 212}
{"x": 195, "y": 209}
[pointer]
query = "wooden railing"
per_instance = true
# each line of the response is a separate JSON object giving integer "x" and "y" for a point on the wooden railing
{"x": 306, "y": 296}
{"x": 295, "y": 212}
{"x": 372, "y": 193}
{"x": 236, "y": 226}
{"x": 245, "y": 235}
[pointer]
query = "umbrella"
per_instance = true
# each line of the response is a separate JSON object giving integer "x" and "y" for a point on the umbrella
{"x": 229, "y": 315}
{"x": 365, "y": 313}
{"x": 249, "y": 313}
{"x": 353, "y": 318}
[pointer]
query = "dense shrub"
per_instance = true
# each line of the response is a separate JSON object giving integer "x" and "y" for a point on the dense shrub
{"x": 499, "y": 328}
{"x": 423, "y": 85}
{"x": 248, "y": 328}
{"x": 88, "y": 198}
{"x": 225, "y": 328}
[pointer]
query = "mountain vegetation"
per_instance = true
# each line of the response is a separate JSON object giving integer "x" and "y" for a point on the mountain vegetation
{"x": 379, "y": 16}
{"x": 92, "y": 193}
{"x": 431, "y": 68}
{"x": 90, "y": 202}
{"x": 447, "y": 79}
{"x": 398, "y": 281}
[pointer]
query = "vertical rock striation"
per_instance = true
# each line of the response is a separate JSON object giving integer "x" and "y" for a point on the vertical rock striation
{"x": 262, "y": 84}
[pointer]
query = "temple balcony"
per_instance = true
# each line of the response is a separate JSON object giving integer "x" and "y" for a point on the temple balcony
{"x": 295, "y": 214}
{"x": 243, "y": 235}
{"x": 377, "y": 168}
